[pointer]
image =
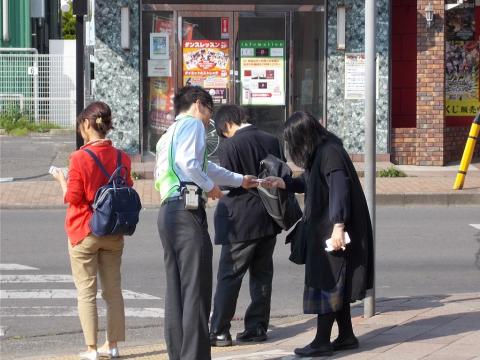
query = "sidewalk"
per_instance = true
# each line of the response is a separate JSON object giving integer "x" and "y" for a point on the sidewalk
{"x": 445, "y": 327}
{"x": 422, "y": 186}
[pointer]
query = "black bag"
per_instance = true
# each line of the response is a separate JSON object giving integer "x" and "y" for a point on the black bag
{"x": 116, "y": 206}
{"x": 298, "y": 244}
{"x": 281, "y": 205}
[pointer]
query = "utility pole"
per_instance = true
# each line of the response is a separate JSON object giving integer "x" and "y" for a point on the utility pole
{"x": 80, "y": 9}
{"x": 370, "y": 131}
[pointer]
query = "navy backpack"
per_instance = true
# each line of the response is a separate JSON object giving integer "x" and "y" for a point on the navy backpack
{"x": 116, "y": 206}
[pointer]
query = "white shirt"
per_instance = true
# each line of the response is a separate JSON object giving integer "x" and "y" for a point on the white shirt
{"x": 188, "y": 146}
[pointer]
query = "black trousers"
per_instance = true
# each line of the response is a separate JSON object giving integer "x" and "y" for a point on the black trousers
{"x": 235, "y": 259}
{"x": 188, "y": 269}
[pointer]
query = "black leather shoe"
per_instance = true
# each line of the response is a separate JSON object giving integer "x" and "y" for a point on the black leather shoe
{"x": 252, "y": 335}
{"x": 220, "y": 339}
{"x": 309, "y": 351}
{"x": 345, "y": 344}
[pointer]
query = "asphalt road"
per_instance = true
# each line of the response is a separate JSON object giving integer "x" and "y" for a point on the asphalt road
{"x": 420, "y": 251}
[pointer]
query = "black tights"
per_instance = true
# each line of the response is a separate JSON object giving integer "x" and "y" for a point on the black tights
{"x": 325, "y": 323}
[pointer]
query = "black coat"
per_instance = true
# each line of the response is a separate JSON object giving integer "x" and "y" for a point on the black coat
{"x": 322, "y": 268}
{"x": 240, "y": 215}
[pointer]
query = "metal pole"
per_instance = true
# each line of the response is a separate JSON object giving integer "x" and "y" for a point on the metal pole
{"x": 80, "y": 60}
{"x": 370, "y": 131}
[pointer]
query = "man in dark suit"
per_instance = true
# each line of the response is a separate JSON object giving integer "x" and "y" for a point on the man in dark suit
{"x": 244, "y": 229}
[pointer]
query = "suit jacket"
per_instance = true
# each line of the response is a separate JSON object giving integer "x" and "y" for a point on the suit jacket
{"x": 240, "y": 215}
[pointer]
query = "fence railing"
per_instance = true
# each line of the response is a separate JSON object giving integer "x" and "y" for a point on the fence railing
{"x": 39, "y": 87}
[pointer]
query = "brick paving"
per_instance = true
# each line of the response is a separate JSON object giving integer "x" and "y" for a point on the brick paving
{"x": 443, "y": 327}
{"x": 47, "y": 194}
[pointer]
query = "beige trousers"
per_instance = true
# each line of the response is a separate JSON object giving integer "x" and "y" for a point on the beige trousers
{"x": 102, "y": 255}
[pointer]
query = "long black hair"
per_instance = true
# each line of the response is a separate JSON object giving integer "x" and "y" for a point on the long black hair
{"x": 303, "y": 133}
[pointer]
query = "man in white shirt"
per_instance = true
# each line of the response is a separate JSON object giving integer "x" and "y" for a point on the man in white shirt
{"x": 182, "y": 161}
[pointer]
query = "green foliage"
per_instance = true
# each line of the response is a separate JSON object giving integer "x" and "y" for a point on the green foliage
{"x": 135, "y": 175}
{"x": 391, "y": 172}
{"x": 68, "y": 24}
{"x": 18, "y": 124}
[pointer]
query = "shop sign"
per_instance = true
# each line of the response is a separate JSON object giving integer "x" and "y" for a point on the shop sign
{"x": 159, "y": 68}
{"x": 355, "y": 76}
{"x": 462, "y": 82}
{"x": 262, "y": 72}
{"x": 206, "y": 63}
{"x": 225, "y": 25}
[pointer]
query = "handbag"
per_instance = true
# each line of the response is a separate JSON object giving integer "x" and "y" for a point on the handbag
{"x": 116, "y": 206}
{"x": 298, "y": 243}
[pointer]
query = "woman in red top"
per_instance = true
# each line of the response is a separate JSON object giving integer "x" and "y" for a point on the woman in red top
{"x": 90, "y": 254}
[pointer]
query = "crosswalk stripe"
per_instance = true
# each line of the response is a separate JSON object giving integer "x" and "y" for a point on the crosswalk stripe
{"x": 16, "y": 279}
{"x": 13, "y": 267}
{"x": 67, "y": 311}
{"x": 476, "y": 226}
{"x": 64, "y": 294}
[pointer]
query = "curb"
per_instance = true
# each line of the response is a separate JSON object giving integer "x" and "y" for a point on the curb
{"x": 405, "y": 199}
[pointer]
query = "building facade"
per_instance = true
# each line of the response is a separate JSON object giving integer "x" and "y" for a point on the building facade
{"x": 277, "y": 57}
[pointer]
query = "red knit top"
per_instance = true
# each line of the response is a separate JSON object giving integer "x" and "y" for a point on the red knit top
{"x": 84, "y": 178}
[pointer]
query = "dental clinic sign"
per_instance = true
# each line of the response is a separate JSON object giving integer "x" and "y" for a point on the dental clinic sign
{"x": 262, "y": 72}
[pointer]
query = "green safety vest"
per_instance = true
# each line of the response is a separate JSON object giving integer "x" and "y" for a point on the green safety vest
{"x": 167, "y": 181}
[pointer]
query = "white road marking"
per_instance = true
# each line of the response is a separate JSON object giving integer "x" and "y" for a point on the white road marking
{"x": 67, "y": 311}
{"x": 270, "y": 354}
{"x": 64, "y": 294}
{"x": 13, "y": 267}
{"x": 7, "y": 179}
{"x": 476, "y": 226}
{"x": 16, "y": 279}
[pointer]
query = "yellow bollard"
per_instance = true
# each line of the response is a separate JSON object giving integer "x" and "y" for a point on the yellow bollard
{"x": 467, "y": 153}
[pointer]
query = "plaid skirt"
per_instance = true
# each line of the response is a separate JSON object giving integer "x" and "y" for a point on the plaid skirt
{"x": 317, "y": 301}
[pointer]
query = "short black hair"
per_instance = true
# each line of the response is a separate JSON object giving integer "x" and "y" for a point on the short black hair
{"x": 303, "y": 133}
{"x": 188, "y": 95}
{"x": 229, "y": 114}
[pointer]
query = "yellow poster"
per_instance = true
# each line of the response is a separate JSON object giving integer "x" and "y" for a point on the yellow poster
{"x": 206, "y": 63}
{"x": 462, "y": 80}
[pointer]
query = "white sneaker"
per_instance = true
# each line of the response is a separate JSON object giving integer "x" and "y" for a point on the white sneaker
{"x": 88, "y": 355}
{"x": 112, "y": 353}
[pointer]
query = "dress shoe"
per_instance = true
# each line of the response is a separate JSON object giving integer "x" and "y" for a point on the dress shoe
{"x": 88, "y": 355}
{"x": 252, "y": 335}
{"x": 345, "y": 344}
{"x": 111, "y": 353}
{"x": 309, "y": 351}
{"x": 220, "y": 339}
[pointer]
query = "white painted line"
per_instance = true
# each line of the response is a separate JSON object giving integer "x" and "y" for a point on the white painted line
{"x": 68, "y": 311}
{"x": 64, "y": 294}
{"x": 17, "y": 279}
{"x": 7, "y": 179}
{"x": 270, "y": 354}
{"x": 12, "y": 267}
{"x": 476, "y": 226}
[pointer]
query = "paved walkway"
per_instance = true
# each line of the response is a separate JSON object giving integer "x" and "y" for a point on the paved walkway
{"x": 443, "y": 327}
{"x": 431, "y": 189}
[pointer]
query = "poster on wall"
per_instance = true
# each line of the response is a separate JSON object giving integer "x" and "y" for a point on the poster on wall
{"x": 355, "y": 76}
{"x": 262, "y": 72}
{"x": 159, "y": 72}
{"x": 159, "y": 47}
{"x": 460, "y": 22}
{"x": 462, "y": 80}
{"x": 206, "y": 63}
{"x": 160, "y": 103}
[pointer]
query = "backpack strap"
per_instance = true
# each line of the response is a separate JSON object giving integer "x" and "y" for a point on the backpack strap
{"x": 97, "y": 161}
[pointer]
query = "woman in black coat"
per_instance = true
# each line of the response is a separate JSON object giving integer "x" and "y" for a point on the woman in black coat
{"x": 334, "y": 205}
